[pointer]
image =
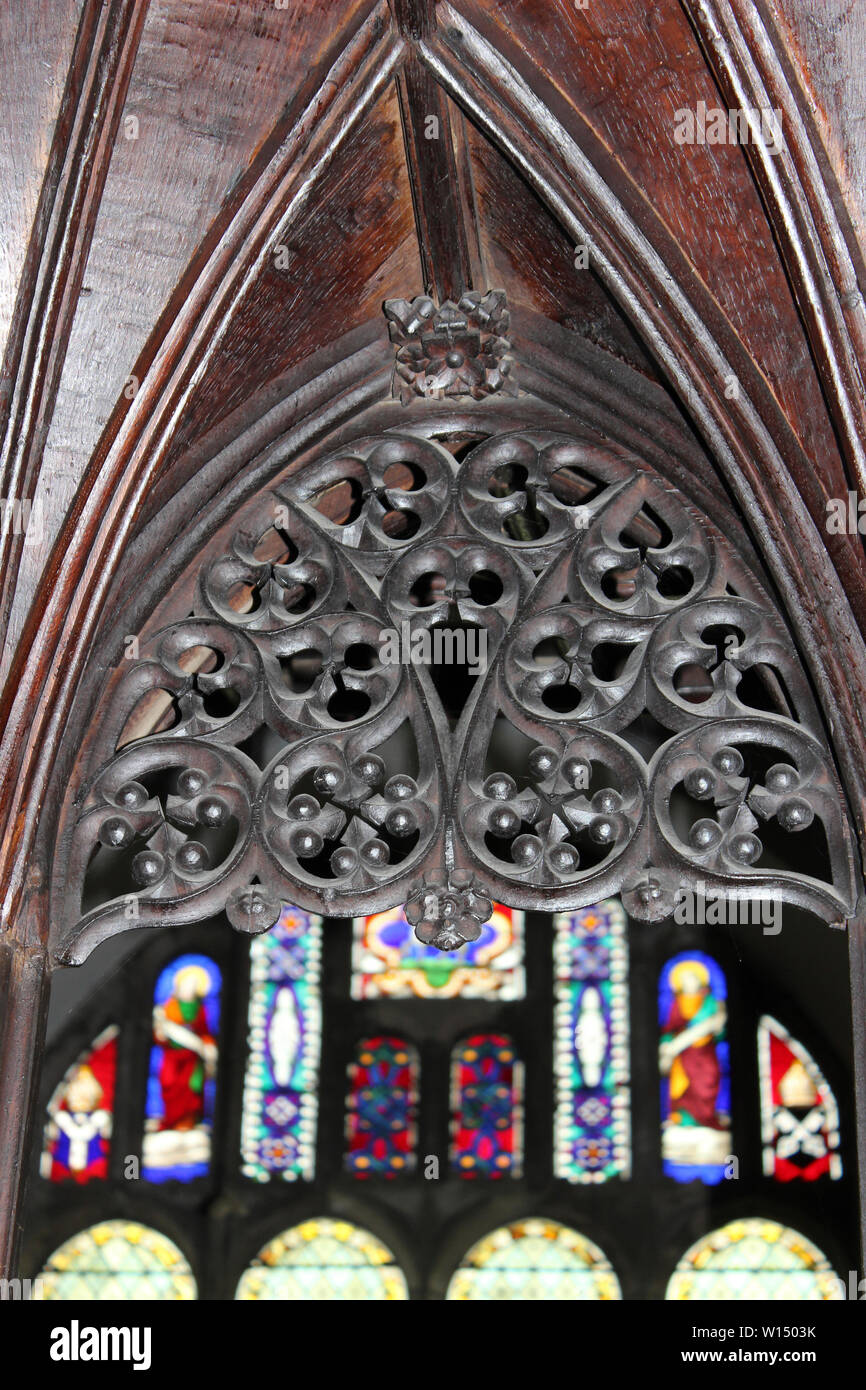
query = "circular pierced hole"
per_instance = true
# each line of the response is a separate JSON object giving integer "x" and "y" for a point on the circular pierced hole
{"x": 348, "y": 705}
{"x": 675, "y": 582}
{"x": 549, "y": 651}
{"x": 693, "y": 683}
{"x": 400, "y": 526}
{"x": 360, "y": 656}
{"x": 298, "y": 598}
{"x": 408, "y": 477}
{"x": 485, "y": 588}
{"x": 506, "y": 479}
{"x": 619, "y": 584}
{"x": 301, "y": 669}
{"x": 428, "y": 589}
{"x": 562, "y": 699}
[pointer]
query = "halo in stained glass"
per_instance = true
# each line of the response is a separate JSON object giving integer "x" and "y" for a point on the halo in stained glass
{"x": 381, "y": 1108}
{"x": 592, "y": 1140}
{"x": 182, "y": 1075}
{"x": 77, "y": 1137}
{"x": 389, "y": 962}
{"x": 117, "y": 1261}
{"x": 486, "y": 1107}
{"x": 323, "y": 1260}
{"x": 280, "y": 1104}
{"x": 533, "y": 1260}
{"x": 754, "y": 1260}
{"x": 799, "y": 1114}
{"x": 695, "y": 1071}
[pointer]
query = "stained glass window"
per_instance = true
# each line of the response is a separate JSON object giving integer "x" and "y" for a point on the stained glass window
{"x": 799, "y": 1115}
{"x": 117, "y": 1260}
{"x": 754, "y": 1260}
{"x": 535, "y": 1259}
{"x": 486, "y": 1108}
{"x": 381, "y": 1108}
{"x": 388, "y": 961}
{"x": 695, "y": 1073}
{"x": 80, "y": 1114}
{"x": 320, "y": 1260}
{"x": 591, "y": 1063}
{"x": 182, "y": 1075}
{"x": 285, "y": 1024}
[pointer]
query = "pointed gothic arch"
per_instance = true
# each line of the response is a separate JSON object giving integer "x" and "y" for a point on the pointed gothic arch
{"x": 150, "y": 492}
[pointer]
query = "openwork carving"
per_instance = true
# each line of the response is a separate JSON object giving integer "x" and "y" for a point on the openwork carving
{"x": 639, "y": 723}
{"x": 455, "y": 350}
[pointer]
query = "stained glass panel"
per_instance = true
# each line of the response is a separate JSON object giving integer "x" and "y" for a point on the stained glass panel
{"x": 535, "y": 1260}
{"x": 321, "y": 1260}
{"x": 799, "y": 1115}
{"x": 382, "y": 1108}
{"x": 388, "y": 961}
{"x": 591, "y": 1062}
{"x": 278, "y": 1134}
{"x": 80, "y": 1115}
{"x": 695, "y": 1073}
{"x": 117, "y": 1260}
{"x": 754, "y": 1260}
{"x": 182, "y": 1076}
{"x": 486, "y": 1108}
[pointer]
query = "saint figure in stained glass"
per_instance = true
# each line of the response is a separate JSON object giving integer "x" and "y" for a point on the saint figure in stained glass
{"x": 183, "y": 1062}
{"x": 693, "y": 1059}
{"x": 78, "y": 1132}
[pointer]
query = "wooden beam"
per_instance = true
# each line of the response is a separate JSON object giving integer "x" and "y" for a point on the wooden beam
{"x": 87, "y": 126}
{"x": 24, "y": 990}
{"x": 442, "y": 217}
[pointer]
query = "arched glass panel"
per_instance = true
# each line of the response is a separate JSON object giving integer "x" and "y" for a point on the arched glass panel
{"x": 280, "y": 1104}
{"x": 117, "y": 1260}
{"x": 799, "y": 1114}
{"x": 182, "y": 1075}
{"x": 534, "y": 1259}
{"x": 591, "y": 1064}
{"x": 389, "y": 962}
{"x": 695, "y": 1072}
{"x": 321, "y": 1260}
{"x": 753, "y": 1260}
{"x": 77, "y": 1137}
{"x": 382, "y": 1108}
{"x": 486, "y": 1107}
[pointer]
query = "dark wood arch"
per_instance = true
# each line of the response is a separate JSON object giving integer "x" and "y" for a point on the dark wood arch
{"x": 161, "y": 455}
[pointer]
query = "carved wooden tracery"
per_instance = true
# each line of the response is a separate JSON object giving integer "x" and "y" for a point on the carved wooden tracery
{"x": 643, "y": 725}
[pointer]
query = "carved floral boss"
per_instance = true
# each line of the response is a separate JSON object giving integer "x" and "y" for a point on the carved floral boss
{"x": 643, "y": 723}
{"x": 455, "y": 350}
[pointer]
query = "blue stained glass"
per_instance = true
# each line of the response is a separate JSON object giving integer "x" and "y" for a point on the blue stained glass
{"x": 695, "y": 1071}
{"x": 389, "y": 962}
{"x": 182, "y": 1074}
{"x": 278, "y": 1135}
{"x": 591, "y": 1125}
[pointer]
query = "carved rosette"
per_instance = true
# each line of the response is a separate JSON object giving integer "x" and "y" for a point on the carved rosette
{"x": 456, "y": 350}
{"x": 640, "y": 722}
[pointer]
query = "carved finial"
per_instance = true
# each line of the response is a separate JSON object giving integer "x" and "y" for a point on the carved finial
{"x": 447, "y": 910}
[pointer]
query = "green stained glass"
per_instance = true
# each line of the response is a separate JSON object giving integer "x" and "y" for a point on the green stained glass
{"x": 323, "y": 1260}
{"x": 535, "y": 1260}
{"x": 754, "y": 1260}
{"x": 117, "y": 1261}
